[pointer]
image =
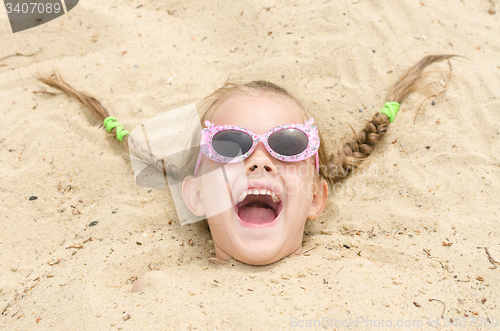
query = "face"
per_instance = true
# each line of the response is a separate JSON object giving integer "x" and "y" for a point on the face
{"x": 268, "y": 201}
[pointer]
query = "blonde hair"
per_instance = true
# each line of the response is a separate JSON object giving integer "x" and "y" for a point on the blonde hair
{"x": 208, "y": 106}
{"x": 349, "y": 155}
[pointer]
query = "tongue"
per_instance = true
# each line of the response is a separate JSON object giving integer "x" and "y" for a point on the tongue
{"x": 256, "y": 215}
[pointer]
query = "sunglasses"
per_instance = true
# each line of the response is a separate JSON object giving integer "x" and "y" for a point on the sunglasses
{"x": 231, "y": 144}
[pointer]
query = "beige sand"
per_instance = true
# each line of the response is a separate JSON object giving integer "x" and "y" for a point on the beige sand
{"x": 430, "y": 182}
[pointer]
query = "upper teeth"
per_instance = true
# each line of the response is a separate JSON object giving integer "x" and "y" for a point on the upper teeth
{"x": 256, "y": 191}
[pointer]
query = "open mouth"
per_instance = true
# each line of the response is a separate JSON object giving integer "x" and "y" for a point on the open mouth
{"x": 258, "y": 207}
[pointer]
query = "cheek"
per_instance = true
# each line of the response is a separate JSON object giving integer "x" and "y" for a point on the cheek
{"x": 304, "y": 168}
{"x": 299, "y": 180}
{"x": 220, "y": 224}
{"x": 215, "y": 193}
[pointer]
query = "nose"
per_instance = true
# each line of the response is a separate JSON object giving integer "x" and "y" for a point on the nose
{"x": 260, "y": 161}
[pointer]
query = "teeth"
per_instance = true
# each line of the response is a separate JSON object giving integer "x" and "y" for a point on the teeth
{"x": 258, "y": 192}
{"x": 242, "y": 196}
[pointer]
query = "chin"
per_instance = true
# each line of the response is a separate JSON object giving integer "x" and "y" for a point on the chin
{"x": 258, "y": 253}
{"x": 259, "y": 229}
{"x": 261, "y": 248}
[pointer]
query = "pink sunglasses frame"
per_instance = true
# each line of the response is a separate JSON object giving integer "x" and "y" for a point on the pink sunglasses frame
{"x": 209, "y": 132}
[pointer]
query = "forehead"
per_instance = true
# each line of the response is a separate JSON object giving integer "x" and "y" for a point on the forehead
{"x": 258, "y": 113}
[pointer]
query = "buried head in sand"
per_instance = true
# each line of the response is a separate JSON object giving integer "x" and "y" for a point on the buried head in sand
{"x": 260, "y": 167}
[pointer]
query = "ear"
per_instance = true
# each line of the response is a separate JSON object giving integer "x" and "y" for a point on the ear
{"x": 318, "y": 203}
{"x": 192, "y": 195}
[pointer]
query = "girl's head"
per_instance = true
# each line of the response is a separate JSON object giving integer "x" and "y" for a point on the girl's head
{"x": 267, "y": 223}
{"x": 256, "y": 208}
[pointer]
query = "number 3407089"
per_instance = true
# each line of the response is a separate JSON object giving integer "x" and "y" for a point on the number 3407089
{"x": 33, "y": 7}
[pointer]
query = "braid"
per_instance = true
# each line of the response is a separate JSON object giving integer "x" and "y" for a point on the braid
{"x": 352, "y": 153}
{"x": 349, "y": 155}
{"x": 136, "y": 149}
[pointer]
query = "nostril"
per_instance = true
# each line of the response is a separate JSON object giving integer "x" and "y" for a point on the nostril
{"x": 268, "y": 169}
{"x": 252, "y": 168}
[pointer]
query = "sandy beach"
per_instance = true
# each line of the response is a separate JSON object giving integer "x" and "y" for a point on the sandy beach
{"x": 411, "y": 240}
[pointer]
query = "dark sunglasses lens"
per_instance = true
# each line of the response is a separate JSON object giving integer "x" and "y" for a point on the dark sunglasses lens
{"x": 231, "y": 143}
{"x": 288, "y": 142}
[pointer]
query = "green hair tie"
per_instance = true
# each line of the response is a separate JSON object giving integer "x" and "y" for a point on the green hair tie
{"x": 110, "y": 123}
{"x": 390, "y": 109}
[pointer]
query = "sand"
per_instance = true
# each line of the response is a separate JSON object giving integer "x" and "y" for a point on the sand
{"x": 402, "y": 240}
